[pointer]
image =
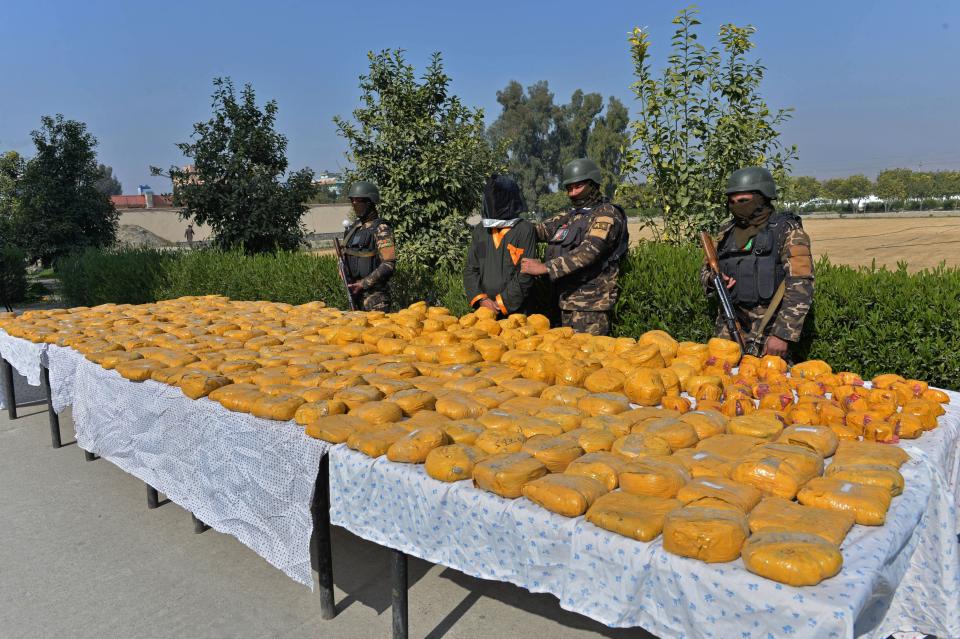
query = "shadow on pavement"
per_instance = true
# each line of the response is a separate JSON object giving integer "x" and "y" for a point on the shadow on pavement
{"x": 539, "y": 604}
{"x": 366, "y": 580}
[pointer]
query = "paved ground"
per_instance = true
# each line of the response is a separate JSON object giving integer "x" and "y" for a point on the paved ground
{"x": 82, "y": 556}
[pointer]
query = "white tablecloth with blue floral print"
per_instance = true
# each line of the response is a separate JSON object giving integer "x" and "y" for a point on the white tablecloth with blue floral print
{"x": 941, "y": 449}
{"x": 62, "y": 362}
{"x": 241, "y": 475}
{"x": 901, "y": 576}
{"x": 24, "y": 356}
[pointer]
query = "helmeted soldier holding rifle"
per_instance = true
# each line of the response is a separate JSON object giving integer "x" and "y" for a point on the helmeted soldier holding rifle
{"x": 370, "y": 254}
{"x": 765, "y": 264}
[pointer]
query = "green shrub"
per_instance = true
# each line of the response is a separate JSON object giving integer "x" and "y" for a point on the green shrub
{"x": 13, "y": 275}
{"x": 122, "y": 276}
{"x": 286, "y": 276}
{"x": 660, "y": 289}
{"x": 876, "y": 321}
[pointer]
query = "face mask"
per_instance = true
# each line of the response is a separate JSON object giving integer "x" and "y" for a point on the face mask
{"x": 362, "y": 210}
{"x": 750, "y": 212}
{"x": 587, "y": 197}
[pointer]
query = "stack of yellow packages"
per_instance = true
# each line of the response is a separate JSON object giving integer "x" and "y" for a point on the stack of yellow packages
{"x": 721, "y": 454}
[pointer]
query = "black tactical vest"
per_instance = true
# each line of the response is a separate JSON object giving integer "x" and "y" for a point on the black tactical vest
{"x": 574, "y": 230}
{"x": 360, "y": 249}
{"x": 759, "y": 269}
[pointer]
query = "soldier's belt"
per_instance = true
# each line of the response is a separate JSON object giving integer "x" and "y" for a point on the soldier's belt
{"x": 356, "y": 253}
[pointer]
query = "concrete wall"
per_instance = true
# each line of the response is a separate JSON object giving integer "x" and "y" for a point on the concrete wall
{"x": 322, "y": 218}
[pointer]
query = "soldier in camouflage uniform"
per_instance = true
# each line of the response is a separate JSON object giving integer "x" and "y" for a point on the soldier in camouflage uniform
{"x": 371, "y": 255}
{"x": 766, "y": 263}
{"x": 584, "y": 247}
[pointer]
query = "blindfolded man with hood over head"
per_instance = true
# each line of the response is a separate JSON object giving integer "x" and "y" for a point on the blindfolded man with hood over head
{"x": 492, "y": 275}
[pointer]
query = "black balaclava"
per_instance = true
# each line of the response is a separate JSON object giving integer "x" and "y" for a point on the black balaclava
{"x": 749, "y": 217}
{"x": 367, "y": 209}
{"x": 590, "y": 196}
{"x": 502, "y": 202}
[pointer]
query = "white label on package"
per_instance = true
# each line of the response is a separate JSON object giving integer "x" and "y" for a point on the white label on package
{"x": 699, "y": 456}
{"x": 846, "y": 488}
{"x": 710, "y": 484}
{"x": 805, "y": 429}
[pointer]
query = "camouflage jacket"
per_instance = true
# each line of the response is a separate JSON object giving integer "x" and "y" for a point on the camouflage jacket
{"x": 787, "y": 322}
{"x": 585, "y": 277}
{"x": 386, "y": 254}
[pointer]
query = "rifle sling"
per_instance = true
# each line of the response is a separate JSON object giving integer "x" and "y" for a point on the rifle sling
{"x": 771, "y": 309}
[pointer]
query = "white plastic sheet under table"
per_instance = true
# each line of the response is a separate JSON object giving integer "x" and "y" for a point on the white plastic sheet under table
{"x": 24, "y": 356}
{"x": 901, "y": 576}
{"x": 241, "y": 475}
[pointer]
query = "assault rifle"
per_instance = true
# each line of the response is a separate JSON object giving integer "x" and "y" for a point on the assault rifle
{"x": 342, "y": 268}
{"x": 726, "y": 306}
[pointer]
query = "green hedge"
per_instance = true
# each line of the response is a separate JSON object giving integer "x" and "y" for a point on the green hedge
{"x": 866, "y": 320}
{"x": 291, "y": 277}
{"x": 122, "y": 276}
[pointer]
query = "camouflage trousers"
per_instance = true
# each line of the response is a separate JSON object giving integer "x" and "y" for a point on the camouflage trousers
{"x": 750, "y": 319}
{"x": 375, "y": 300}
{"x": 593, "y": 322}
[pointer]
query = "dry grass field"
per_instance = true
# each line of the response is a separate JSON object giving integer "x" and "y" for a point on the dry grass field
{"x": 921, "y": 242}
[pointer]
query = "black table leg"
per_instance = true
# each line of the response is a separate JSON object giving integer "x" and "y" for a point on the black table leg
{"x": 153, "y": 497}
{"x": 90, "y": 456}
{"x": 6, "y": 371}
{"x": 198, "y": 526}
{"x": 321, "y": 532}
{"x": 52, "y": 414}
{"x": 398, "y": 570}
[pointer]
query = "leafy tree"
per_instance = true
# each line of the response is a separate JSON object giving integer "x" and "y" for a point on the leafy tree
{"x": 634, "y": 195}
{"x": 892, "y": 185}
{"x": 800, "y": 189}
{"x": 919, "y": 186}
{"x": 700, "y": 121}
{"x": 854, "y": 188}
{"x": 58, "y": 207}
{"x": 11, "y": 171}
{"x": 108, "y": 184}
{"x": 946, "y": 183}
{"x": 833, "y": 188}
{"x": 541, "y": 136}
{"x": 553, "y": 203}
{"x": 574, "y": 125}
{"x": 527, "y": 127}
{"x": 425, "y": 150}
{"x": 235, "y": 185}
{"x": 608, "y": 142}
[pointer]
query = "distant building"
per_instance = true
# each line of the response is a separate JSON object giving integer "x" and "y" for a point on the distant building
{"x": 146, "y": 200}
{"x": 330, "y": 180}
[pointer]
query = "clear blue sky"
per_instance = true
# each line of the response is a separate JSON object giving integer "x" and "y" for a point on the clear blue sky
{"x": 874, "y": 83}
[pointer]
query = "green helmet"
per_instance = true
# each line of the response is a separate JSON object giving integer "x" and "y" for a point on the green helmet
{"x": 363, "y": 188}
{"x": 580, "y": 170}
{"x": 752, "y": 178}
